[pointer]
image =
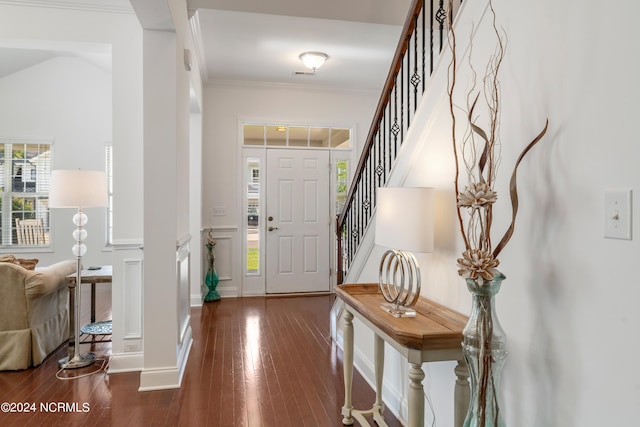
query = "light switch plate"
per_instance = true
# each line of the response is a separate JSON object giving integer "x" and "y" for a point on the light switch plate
{"x": 617, "y": 214}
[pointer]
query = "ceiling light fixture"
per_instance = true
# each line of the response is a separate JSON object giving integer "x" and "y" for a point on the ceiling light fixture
{"x": 313, "y": 60}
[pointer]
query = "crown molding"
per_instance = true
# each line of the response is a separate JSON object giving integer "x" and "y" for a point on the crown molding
{"x": 108, "y": 6}
{"x": 284, "y": 85}
{"x": 194, "y": 24}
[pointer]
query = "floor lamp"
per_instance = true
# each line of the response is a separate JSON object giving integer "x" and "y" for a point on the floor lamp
{"x": 404, "y": 223}
{"x": 77, "y": 189}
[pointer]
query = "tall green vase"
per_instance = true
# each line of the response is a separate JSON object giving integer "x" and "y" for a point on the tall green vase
{"x": 211, "y": 279}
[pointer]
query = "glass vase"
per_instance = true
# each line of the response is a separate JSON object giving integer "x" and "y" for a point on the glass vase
{"x": 484, "y": 345}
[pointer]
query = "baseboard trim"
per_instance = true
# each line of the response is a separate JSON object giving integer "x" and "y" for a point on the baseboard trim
{"x": 159, "y": 379}
{"x": 126, "y": 362}
{"x": 171, "y": 376}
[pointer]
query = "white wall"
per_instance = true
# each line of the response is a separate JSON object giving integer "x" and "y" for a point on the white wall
{"x": 229, "y": 104}
{"x": 67, "y": 101}
{"x": 569, "y": 303}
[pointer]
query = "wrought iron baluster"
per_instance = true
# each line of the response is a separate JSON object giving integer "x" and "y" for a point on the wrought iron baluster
{"x": 401, "y": 123}
{"x": 380, "y": 157}
{"x": 407, "y": 85}
{"x": 424, "y": 45}
{"x": 370, "y": 187}
{"x": 415, "y": 78}
{"x": 351, "y": 235}
{"x": 441, "y": 16}
{"x": 431, "y": 35}
{"x": 396, "y": 128}
{"x": 359, "y": 205}
{"x": 387, "y": 143}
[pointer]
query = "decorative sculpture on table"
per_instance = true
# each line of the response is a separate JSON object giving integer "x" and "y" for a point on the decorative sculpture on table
{"x": 404, "y": 222}
{"x": 211, "y": 279}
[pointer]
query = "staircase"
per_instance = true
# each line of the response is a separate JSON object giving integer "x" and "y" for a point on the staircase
{"x": 407, "y": 88}
{"x": 411, "y": 121}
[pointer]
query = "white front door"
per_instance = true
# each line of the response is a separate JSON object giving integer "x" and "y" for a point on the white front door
{"x": 297, "y": 221}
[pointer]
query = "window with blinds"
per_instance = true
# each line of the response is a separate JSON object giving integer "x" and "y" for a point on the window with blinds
{"x": 25, "y": 171}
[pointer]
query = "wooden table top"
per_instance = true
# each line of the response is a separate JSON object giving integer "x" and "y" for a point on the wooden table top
{"x": 434, "y": 327}
{"x": 101, "y": 275}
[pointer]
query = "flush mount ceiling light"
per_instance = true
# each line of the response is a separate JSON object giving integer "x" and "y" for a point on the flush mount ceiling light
{"x": 313, "y": 60}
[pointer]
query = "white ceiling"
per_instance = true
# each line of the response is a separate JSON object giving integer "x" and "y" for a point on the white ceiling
{"x": 260, "y": 40}
{"x": 265, "y": 48}
{"x": 17, "y": 55}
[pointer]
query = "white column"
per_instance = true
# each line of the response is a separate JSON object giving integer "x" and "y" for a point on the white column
{"x": 160, "y": 316}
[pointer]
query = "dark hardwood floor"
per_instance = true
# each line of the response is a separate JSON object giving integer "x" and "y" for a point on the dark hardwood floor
{"x": 254, "y": 362}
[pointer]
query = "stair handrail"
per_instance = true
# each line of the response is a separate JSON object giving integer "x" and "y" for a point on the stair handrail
{"x": 390, "y": 87}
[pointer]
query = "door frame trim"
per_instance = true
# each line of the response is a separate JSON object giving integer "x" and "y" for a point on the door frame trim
{"x": 255, "y": 284}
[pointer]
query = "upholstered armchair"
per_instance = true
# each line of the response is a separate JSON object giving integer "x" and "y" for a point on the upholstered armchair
{"x": 34, "y": 312}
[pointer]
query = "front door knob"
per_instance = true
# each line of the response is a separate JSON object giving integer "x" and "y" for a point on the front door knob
{"x": 272, "y": 228}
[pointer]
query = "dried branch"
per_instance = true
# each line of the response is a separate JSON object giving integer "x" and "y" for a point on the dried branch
{"x": 452, "y": 83}
{"x": 479, "y": 151}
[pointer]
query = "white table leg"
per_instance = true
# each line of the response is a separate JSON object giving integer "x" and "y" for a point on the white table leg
{"x": 416, "y": 395}
{"x": 378, "y": 353}
{"x": 347, "y": 366}
{"x": 461, "y": 393}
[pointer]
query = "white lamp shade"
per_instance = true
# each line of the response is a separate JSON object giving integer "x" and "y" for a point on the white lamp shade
{"x": 404, "y": 218}
{"x": 78, "y": 188}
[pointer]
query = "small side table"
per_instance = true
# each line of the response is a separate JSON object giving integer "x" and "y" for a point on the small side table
{"x": 94, "y": 276}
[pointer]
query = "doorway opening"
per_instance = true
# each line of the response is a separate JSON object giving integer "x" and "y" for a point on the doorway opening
{"x": 294, "y": 182}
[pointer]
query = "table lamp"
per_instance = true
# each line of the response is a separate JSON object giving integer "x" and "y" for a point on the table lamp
{"x": 404, "y": 223}
{"x": 77, "y": 189}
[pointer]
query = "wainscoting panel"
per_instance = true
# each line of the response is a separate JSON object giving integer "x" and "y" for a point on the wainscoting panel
{"x": 127, "y": 290}
{"x": 183, "y": 285}
{"x": 224, "y": 257}
{"x": 227, "y": 261}
{"x": 132, "y": 298}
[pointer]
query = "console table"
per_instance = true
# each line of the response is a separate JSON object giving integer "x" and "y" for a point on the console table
{"x": 435, "y": 334}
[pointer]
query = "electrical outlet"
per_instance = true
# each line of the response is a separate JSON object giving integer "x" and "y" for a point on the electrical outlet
{"x": 617, "y": 214}
{"x": 131, "y": 346}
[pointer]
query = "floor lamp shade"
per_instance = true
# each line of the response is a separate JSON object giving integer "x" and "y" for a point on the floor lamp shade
{"x": 404, "y": 218}
{"x": 78, "y": 188}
